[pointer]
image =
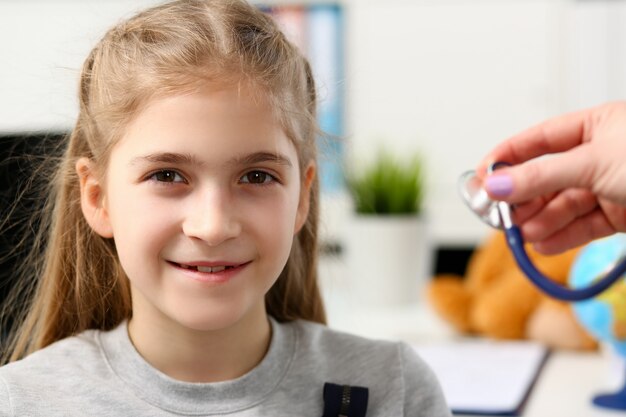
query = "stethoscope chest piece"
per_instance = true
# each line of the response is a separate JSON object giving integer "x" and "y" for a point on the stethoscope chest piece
{"x": 478, "y": 201}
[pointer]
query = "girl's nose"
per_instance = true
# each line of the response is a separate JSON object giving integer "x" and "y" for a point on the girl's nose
{"x": 212, "y": 219}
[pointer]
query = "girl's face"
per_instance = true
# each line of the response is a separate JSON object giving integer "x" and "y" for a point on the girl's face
{"x": 203, "y": 197}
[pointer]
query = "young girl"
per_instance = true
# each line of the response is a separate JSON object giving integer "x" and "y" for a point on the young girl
{"x": 179, "y": 275}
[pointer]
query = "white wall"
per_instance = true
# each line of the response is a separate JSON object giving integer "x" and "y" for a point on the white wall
{"x": 596, "y": 53}
{"x": 43, "y": 45}
{"x": 449, "y": 78}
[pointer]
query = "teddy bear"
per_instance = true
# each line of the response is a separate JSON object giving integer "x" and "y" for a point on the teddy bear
{"x": 496, "y": 300}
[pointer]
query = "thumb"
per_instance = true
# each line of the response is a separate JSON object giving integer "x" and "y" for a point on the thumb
{"x": 524, "y": 182}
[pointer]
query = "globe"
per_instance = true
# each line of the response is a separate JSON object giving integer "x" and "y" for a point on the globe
{"x": 604, "y": 316}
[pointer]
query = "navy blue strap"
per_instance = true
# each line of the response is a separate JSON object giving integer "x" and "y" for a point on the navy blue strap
{"x": 344, "y": 400}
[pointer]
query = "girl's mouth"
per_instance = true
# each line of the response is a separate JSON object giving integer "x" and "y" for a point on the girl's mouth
{"x": 215, "y": 274}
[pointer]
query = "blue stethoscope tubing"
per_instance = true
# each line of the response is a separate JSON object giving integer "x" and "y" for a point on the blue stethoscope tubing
{"x": 516, "y": 243}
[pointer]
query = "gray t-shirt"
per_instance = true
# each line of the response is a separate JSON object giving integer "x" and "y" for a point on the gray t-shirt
{"x": 100, "y": 373}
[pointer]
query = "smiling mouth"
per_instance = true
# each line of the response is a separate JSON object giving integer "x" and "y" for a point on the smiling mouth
{"x": 206, "y": 269}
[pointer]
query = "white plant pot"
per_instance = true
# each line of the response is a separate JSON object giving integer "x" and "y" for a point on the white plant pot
{"x": 388, "y": 258}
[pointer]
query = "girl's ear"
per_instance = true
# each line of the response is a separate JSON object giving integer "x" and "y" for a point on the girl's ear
{"x": 92, "y": 199}
{"x": 305, "y": 197}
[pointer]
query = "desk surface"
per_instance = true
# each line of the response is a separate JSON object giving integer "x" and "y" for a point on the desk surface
{"x": 564, "y": 388}
{"x": 570, "y": 380}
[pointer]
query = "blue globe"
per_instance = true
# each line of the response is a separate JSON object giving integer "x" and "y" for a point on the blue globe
{"x": 605, "y": 315}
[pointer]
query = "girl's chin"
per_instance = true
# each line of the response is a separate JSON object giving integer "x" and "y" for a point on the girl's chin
{"x": 218, "y": 319}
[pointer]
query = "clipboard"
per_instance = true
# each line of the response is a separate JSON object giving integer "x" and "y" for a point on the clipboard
{"x": 485, "y": 377}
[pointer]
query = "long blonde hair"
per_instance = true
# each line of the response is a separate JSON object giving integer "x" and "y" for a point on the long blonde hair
{"x": 78, "y": 283}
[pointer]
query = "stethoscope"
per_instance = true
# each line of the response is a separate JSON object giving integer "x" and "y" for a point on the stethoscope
{"x": 497, "y": 214}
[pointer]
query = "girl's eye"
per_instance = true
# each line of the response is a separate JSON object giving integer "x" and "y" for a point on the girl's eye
{"x": 167, "y": 175}
{"x": 257, "y": 177}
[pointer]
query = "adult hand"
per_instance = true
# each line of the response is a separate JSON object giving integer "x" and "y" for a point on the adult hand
{"x": 576, "y": 193}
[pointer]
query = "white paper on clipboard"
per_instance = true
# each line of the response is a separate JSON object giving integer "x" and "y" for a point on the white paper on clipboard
{"x": 481, "y": 376}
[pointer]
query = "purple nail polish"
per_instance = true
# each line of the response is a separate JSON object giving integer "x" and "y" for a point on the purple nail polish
{"x": 499, "y": 185}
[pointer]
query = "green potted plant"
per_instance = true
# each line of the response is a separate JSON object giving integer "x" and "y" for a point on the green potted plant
{"x": 387, "y": 247}
{"x": 388, "y": 186}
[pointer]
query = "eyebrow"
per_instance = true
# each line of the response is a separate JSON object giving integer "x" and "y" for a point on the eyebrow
{"x": 165, "y": 157}
{"x": 188, "y": 159}
{"x": 257, "y": 157}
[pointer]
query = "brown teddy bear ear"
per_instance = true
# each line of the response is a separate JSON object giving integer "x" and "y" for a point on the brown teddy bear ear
{"x": 488, "y": 262}
{"x": 450, "y": 299}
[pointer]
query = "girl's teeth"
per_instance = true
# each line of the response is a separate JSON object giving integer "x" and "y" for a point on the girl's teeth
{"x": 211, "y": 269}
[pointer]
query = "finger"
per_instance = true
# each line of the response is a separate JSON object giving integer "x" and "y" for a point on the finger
{"x": 584, "y": 229}
{"x": 558, "y": 213}
{"x": 523, "y": 212}
{"x": 520, "y": 183}
{"x": 616, "y": 215}
{"x": 555, "y": 135}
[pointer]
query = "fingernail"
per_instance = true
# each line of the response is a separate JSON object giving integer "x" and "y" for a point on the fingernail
{"x": 499, "y": 185}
